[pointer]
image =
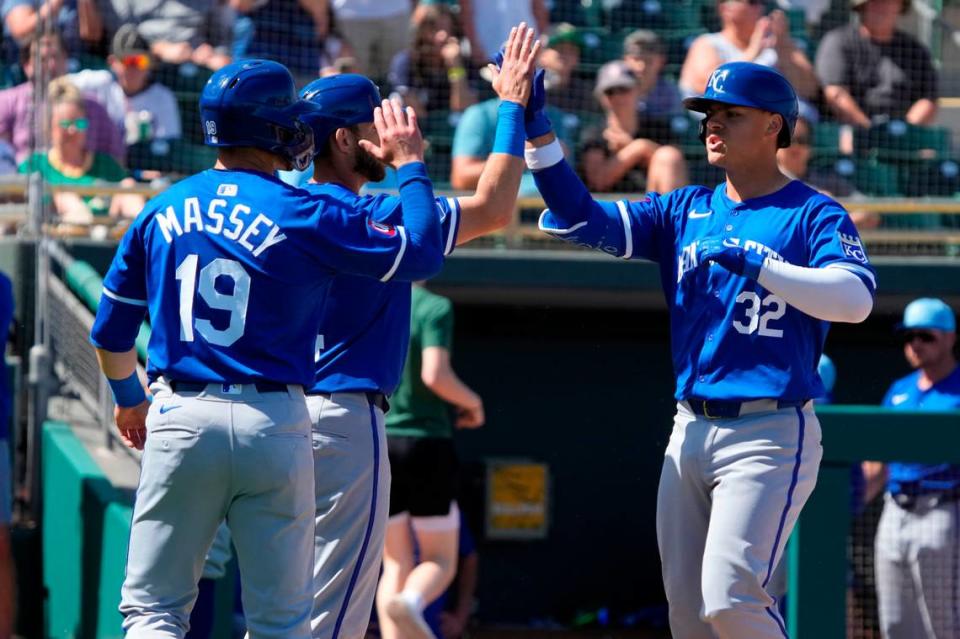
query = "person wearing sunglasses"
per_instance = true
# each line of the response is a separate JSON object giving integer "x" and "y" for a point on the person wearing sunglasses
{"x": 140, "y": 107}
{"x": 917, "y": 556}
{"x": 613, "y": 158}
{"x": 70, "y": 162}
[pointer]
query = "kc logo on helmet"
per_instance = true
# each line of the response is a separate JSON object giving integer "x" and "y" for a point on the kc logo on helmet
{"x": 718, "y": 79}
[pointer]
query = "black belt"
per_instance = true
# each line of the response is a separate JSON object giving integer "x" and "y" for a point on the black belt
{"x": 199, "y": 387}
{"x": 723, "y": 409}
{"x": 909, "y": 501}
{"x": 375, "y": 398}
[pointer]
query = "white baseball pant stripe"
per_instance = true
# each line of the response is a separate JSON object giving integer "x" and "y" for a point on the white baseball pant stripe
{"x": 730, "y": 493}
{"x": 244, "y": 456}
{"x": 352, "y": 477}
{"x": 917, "y": 558}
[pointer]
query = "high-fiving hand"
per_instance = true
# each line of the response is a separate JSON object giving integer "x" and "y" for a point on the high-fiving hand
{"x": 516, "y": 62}
{"x": 400, "y": 139}
{"x": 535, "y": 118}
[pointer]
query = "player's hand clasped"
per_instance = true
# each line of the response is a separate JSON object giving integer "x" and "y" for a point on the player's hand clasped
{"x": 400, "y": 139}
{"x": 733, "y": 258}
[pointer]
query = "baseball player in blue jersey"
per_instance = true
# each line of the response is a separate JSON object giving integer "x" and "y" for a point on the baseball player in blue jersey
{"x": 233, "y": 266}
{"x": 365, "y": 330}
{"x": 917, "y": 548}
{"x": 753, "y": 271}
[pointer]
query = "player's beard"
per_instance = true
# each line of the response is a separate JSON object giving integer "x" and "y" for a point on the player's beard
{"x": 368, "y": 166}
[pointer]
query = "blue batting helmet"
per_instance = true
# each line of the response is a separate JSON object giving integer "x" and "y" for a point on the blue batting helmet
{"x": 342, "y": 100}
{"x": 254, "y": 103}
{"x": 749, "y": 85}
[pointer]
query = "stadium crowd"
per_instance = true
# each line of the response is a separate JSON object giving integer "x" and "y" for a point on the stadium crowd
{"x": 616, "y": 74}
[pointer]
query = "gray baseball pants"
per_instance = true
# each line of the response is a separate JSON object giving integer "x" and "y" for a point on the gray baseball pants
{"x": 730, "y": 493}
{"x": 917, "y": 557}
{"x": 352, "y": 475}
{"x": 224, "y": 453}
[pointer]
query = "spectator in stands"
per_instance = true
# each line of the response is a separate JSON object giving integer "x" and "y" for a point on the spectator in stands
{"x": 566, "y": 90}
{"x": 795, "y": 162}
{"x": 473, "y": 142}
{"x": 300, "y": 34}
{"x": 916, "y": 550}
{"x": 612, "y": 157}
{"x": 658, "y": 97}
{"x": 198, "y": 31}
{"x": 487, "y": 24}
{"x": 747, "y": 35}
{"x": 7, "y": 581}
{"x": 870, "y": 69}
{"x": 21, "y": 19}
{"x": 431, "y": 74}
{"x": 377, "y": 30}
{"x": 70, "y": 162}
{"x": 17, "y": 109}
{"x": 134, "y": 101}
{"x": 8, "y": 159}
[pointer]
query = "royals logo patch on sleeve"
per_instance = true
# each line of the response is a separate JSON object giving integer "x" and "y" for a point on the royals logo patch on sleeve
{"x": 853, "y": 247}
{"x": 386, "y": 229}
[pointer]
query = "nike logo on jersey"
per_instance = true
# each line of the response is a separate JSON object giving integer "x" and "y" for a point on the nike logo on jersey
{"x": 166, "y": 409}
{"x": 900, "y": 398}
{"x": 237, "y": 225}
{"x": 694, "y": 214}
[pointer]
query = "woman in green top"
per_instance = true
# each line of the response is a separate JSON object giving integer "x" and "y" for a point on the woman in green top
{"x": 69, "y": 162}
{"x": 423, "y": 465}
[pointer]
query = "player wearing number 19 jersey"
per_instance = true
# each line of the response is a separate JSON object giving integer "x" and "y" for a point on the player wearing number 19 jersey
{"x": 753, "y": 271}
{"x": 233, "y": 267}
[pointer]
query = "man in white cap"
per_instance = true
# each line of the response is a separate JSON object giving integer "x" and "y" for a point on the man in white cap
{"x": 918, "y": 538}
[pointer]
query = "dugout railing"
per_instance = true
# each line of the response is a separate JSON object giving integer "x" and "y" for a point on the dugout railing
{"x": 818, "y": 561}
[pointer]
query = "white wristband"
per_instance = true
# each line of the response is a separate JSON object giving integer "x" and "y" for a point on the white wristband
{"x": 544, "y": 156}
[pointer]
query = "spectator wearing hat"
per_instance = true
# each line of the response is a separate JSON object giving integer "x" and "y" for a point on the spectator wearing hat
{"x": 872, "y": 70}
{"x": 612, "y": 157}
{"x": 566, "y": 90}
{"x": 17, "y": 110}
{"x": 659, "y": 97}
{"x": 747, "y": 35}
{"x": 917, "y": 556}
{"x": 141, "y": 108}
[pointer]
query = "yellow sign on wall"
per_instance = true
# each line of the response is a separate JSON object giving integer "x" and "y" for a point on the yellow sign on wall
{"x": 517, "y": 499}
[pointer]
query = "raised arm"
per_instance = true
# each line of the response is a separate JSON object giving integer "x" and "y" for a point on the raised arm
{"x": 491, "y": 207}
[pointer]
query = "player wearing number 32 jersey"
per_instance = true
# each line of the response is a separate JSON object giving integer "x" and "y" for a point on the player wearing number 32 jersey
{"x": 753, "y": 271}
{"x": 233, "y": 267}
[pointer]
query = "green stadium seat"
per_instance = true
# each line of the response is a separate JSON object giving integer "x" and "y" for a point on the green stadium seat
{"x": 930, "y": 178}
{"x": 657, "y": 15}
{"x": 599, "y": 46}
{"x": 826, "y": 139}
{"x": 170, "y": 156}
{"x": 897, "y": 140}
{"x": 582, "y": 13}
{"x": 869, "y": 176}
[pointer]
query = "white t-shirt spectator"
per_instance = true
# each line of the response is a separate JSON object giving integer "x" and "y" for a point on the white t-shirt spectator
{"x": 370, "y": 9}
{"x": 156, "y": 99}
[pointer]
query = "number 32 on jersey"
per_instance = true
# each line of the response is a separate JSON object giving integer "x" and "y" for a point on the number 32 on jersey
{"x": 759, "y": 313}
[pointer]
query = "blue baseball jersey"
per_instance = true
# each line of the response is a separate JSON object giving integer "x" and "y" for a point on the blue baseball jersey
{"x": 731, "y": 339}
{"x": 904, "y": 394}
{"x": 234, "y": 268}
{"x": 6, "y": 317}
{"x": 365, "y": 328}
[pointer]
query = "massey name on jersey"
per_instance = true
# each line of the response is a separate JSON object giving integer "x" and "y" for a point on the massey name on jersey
{"x": 252, "y": 230}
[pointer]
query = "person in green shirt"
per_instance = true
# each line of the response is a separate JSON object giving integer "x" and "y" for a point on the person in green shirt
{"x": 429, "y": 403}
{"x": 69, "y": 162}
